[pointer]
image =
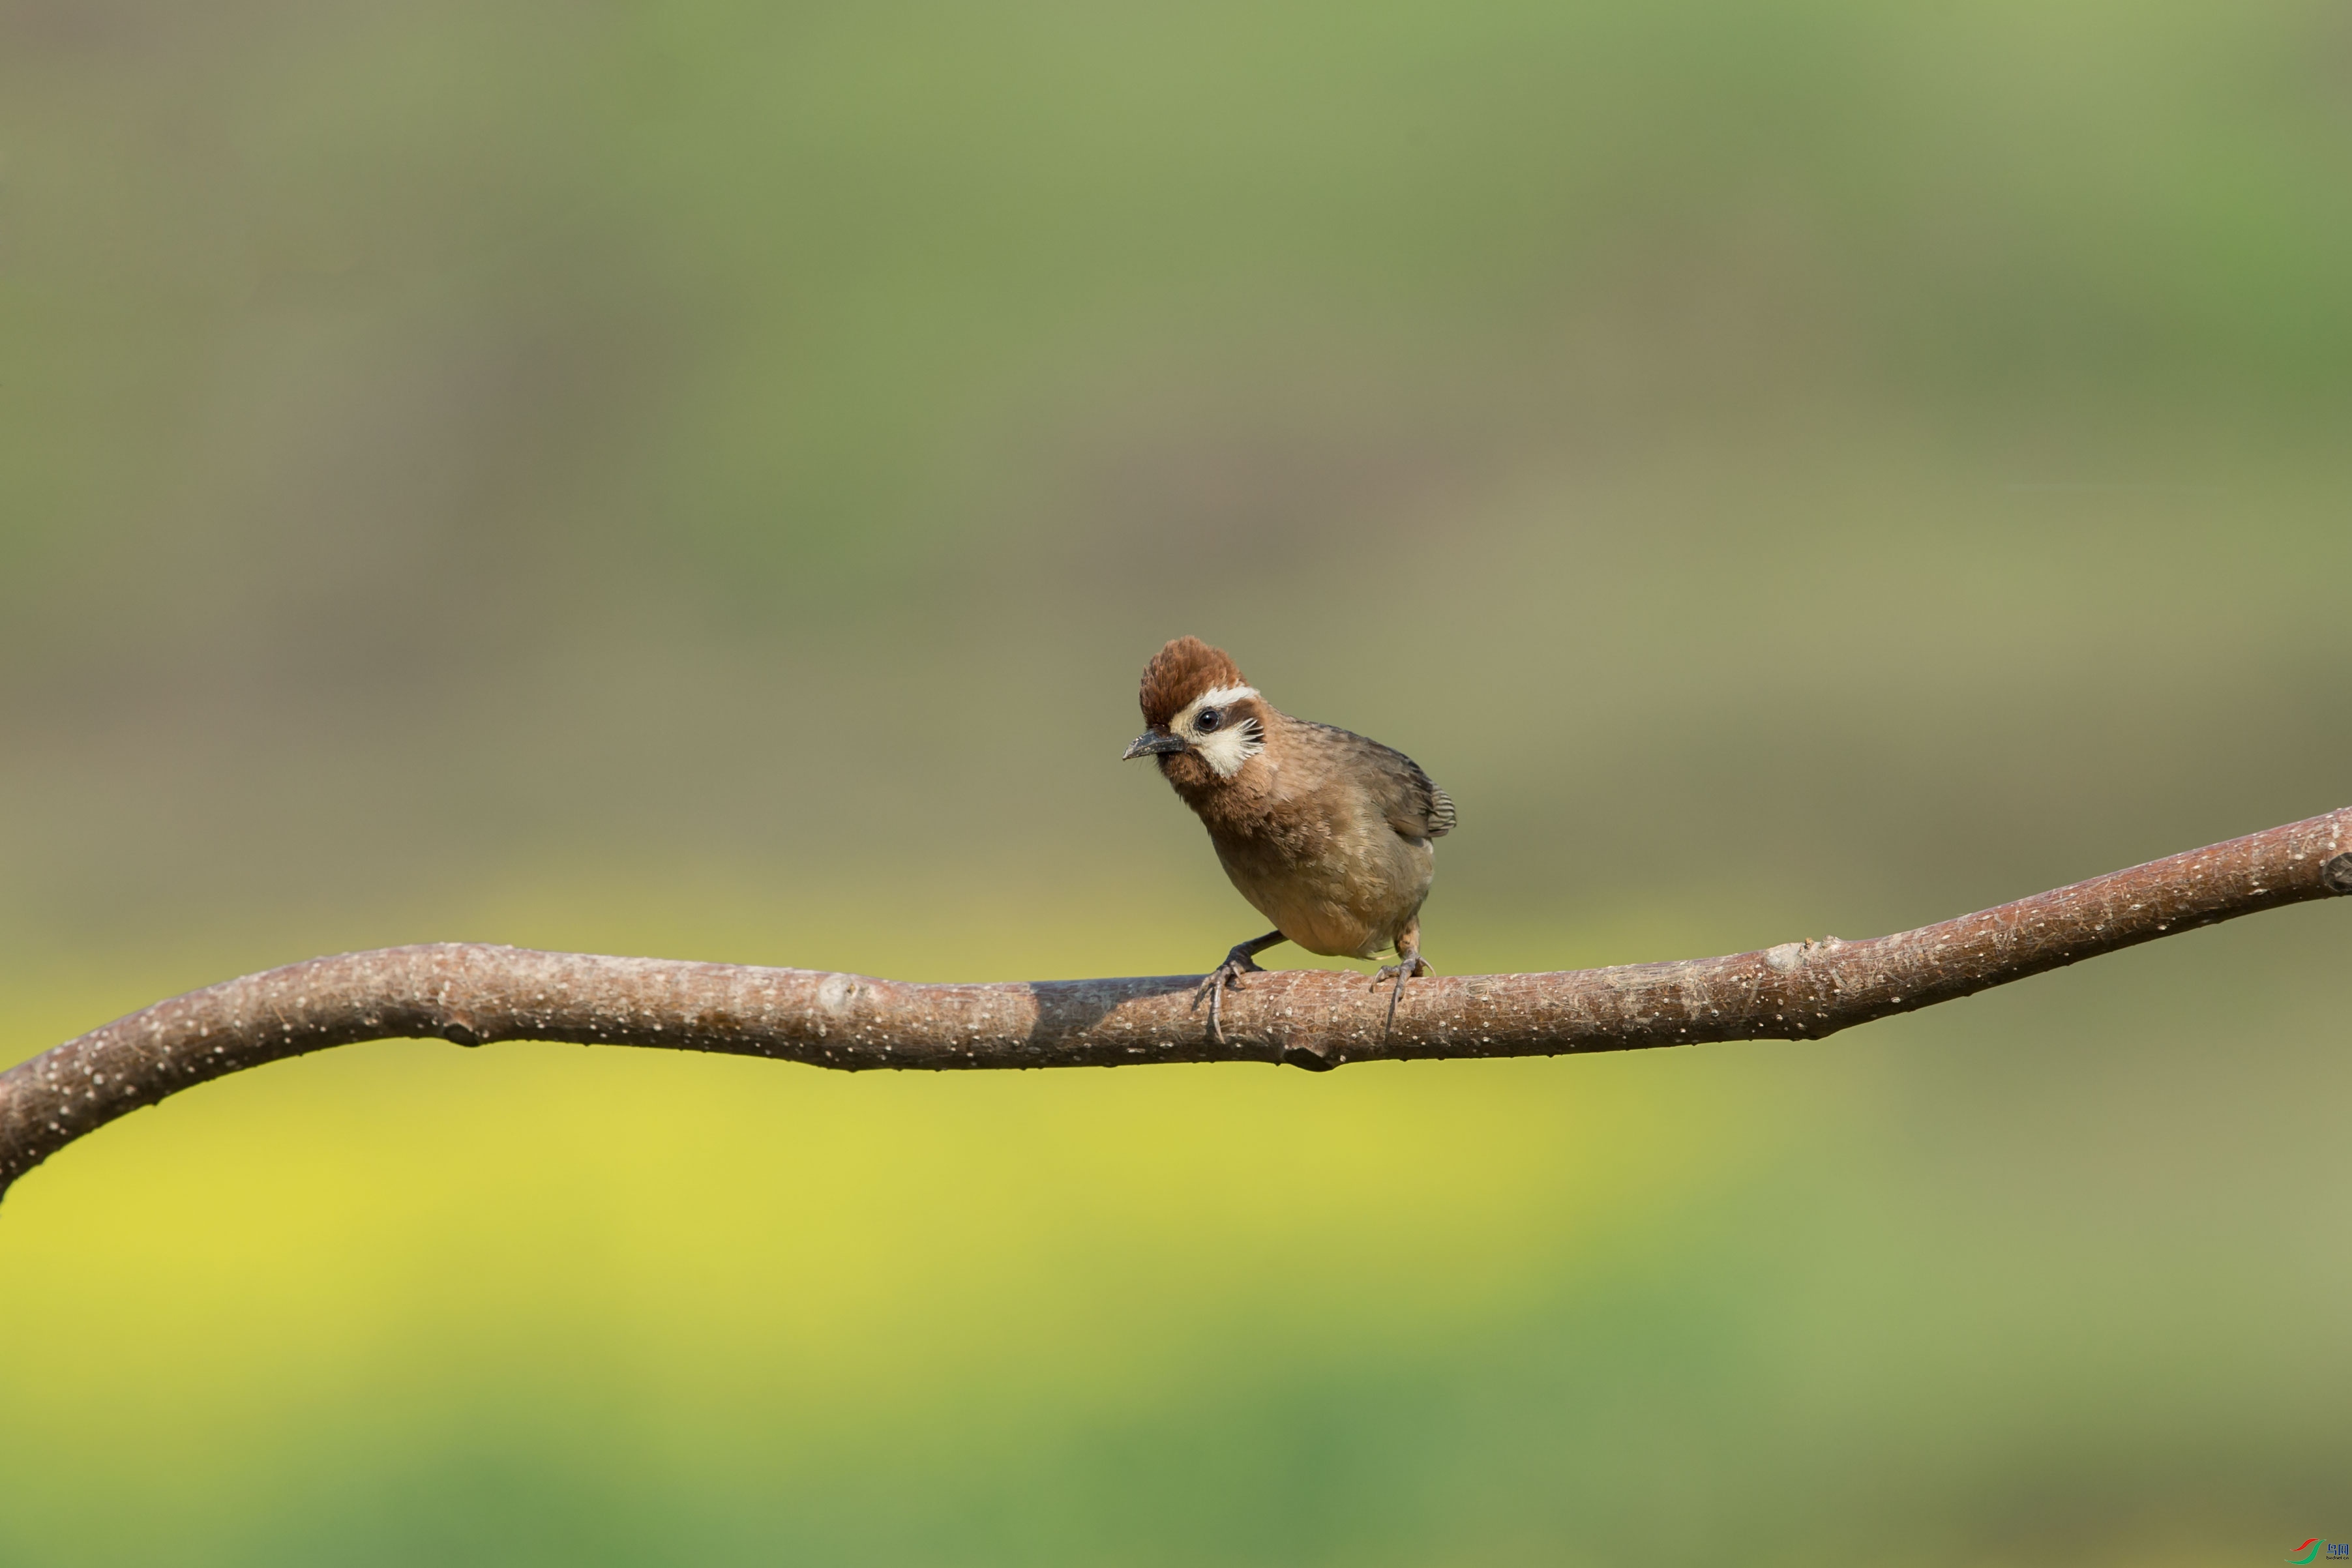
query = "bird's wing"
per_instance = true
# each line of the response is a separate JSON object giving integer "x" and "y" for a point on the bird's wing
{"x": 1413, "y": 806}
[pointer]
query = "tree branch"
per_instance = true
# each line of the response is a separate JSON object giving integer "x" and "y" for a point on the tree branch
{"x": 473, "y": 994}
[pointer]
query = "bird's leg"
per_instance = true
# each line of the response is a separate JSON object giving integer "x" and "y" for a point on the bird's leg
{"x": 1409, "y": 964}
{"x": 1227, "y": 976}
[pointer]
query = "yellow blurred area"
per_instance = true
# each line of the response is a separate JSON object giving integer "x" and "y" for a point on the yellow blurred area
{"x": 743, "y": 1252}
{"x": 880, "y": 1237}
{"x": 857, "y": 1240}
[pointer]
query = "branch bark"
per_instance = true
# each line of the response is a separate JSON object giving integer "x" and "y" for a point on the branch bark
{"x": 474, "y": 994}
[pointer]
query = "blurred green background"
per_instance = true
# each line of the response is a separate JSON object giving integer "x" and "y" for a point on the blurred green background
{"x": 702, "y": 479}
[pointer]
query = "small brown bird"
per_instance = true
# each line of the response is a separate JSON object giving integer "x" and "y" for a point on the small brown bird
{"x": 1325, "y": 832}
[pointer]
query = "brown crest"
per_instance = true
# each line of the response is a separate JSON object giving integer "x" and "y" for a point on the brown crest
{"x": 1180, "y": 672}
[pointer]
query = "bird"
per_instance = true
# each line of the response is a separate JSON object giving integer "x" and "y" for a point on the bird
{"x": 1326, "y": 833}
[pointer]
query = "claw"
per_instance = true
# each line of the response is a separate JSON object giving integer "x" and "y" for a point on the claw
{"x": 1408, "y": 965}
{"x": 1227, "y": 977}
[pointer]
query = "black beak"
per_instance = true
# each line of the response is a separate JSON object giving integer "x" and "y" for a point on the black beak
{"x": 1151, "y": 743}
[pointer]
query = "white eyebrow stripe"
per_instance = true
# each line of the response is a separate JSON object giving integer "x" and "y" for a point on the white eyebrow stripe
{"x": 1219, "y": 697}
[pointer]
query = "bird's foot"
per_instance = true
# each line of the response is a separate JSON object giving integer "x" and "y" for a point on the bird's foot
{"x": 1408, "y": 965}
{"x": 1225, "y": 976}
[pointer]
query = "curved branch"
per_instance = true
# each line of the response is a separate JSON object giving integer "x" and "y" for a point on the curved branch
{"x": 473, "y": 994}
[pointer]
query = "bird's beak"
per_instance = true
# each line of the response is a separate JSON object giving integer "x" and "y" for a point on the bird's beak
{"x": 1151, "y": 743}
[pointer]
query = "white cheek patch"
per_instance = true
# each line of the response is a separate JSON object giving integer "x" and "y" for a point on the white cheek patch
{"x": 1227, "y": 749}
{"x": 1224, "y": 750}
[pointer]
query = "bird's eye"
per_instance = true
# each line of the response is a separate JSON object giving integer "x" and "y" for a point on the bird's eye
{"x": 1209, "y": 718}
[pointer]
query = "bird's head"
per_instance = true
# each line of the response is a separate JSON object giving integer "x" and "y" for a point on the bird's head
{"x": 1205, "y": 719}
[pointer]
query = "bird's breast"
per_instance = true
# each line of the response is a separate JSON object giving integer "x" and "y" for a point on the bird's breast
{"x": 1332, "y": 883}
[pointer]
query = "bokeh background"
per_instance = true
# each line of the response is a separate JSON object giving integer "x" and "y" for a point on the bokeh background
{"x": 701, "y": 479}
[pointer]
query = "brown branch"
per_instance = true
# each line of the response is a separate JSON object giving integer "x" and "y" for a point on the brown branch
{"x": 473, "y": 994}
